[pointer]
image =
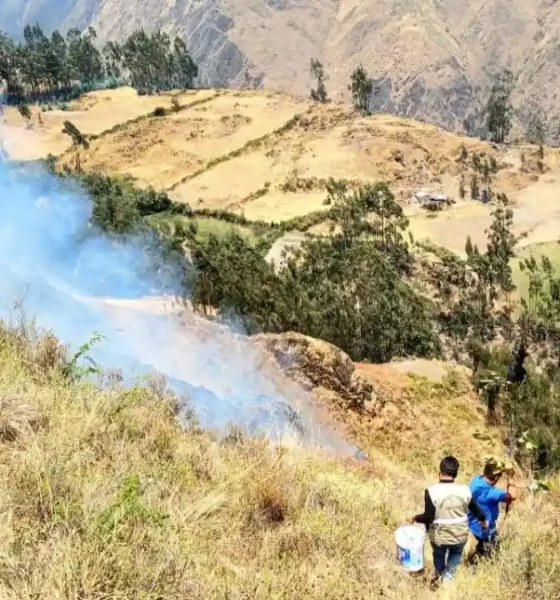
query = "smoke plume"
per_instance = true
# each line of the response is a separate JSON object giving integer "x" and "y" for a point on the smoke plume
{"x": 75, "y": 281}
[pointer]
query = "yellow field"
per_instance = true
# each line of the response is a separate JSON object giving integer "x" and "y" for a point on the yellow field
{"x": 268, "y": 156}
{"x": 536, "y": 217}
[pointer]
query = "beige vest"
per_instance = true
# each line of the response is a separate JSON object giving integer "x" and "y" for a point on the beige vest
{"x": 450, "y": 525}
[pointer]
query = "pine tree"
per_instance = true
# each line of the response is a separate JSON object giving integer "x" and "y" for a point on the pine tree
{"x": 462, "y": 191}
{"x": 476, "y": 162}
{"x": 84, "y": 59}
{"x": 501, "y": 244}
{"x": 113, "y": 59}
{"x": 536, "y": 132}
{"x": 498, "y": 108}
{"x": 57, "y": 62}
{"x": 475, "y": 190}
{"x": 469, "y": 248}
{"x": 186, "y": 69}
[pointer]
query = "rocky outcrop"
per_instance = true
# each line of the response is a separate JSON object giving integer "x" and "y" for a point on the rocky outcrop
{"x": 316, "y": 364}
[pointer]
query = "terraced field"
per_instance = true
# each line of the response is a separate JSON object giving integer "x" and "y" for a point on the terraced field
{"x": 268, "y": 156}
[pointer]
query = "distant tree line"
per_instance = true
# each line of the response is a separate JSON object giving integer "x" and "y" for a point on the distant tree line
{"x": 492, "y": 120}
{"x": 55, "y": 67}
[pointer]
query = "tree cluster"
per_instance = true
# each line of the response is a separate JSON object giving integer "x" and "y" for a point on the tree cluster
{"x": 477, "y": 313}
{"x": 45, "y": 68}
{"x": 349, "y": 289}
{"x": 498, "y": 110}
{"x": 474, "y": 293}
{"x": 118, "y": 206}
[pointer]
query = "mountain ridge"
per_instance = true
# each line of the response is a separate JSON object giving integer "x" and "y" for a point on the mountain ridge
{"x": 429, "y": 60}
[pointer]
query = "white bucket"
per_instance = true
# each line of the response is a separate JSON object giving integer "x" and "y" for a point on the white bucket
{"x": 410, "y": 547}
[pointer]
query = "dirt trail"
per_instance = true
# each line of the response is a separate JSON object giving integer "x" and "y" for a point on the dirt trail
{"x": 290, "y": 240}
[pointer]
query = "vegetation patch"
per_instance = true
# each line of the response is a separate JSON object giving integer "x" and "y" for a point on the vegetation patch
{"x": 57, "y": 68}
{"x": 550, "y": 250}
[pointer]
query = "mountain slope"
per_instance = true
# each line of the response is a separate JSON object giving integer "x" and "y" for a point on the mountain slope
{"x": 15, "y": 14}
{"x": 103, "y": 495}
{"x": 431, "y": 60}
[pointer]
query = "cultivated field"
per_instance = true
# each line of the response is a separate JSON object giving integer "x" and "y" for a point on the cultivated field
{"x": 267, "y": 156}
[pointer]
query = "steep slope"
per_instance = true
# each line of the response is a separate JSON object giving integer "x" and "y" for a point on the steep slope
{"x": 431, "y": 60}
{"x": 406, "y": 411}
{"x": 15, "y": 14}
{"x": 103, "y": 495}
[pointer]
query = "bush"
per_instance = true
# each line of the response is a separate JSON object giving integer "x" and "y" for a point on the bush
{"x": 159, "y": 112}
{"x": 118, "y": 206}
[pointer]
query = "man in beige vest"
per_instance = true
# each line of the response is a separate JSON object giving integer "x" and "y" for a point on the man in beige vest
{"x": 445, "y": 515}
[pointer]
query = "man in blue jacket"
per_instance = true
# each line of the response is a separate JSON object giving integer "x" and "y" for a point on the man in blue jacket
{"x": 488, "y": 497}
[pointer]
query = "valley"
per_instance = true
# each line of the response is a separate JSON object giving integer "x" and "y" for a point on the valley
{"x": 177, "y": 484}
{"x": 263, "y": 265}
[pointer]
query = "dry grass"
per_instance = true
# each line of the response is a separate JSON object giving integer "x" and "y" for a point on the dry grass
{"x": 103, "y": 496}
{"x": 245, "y": 151}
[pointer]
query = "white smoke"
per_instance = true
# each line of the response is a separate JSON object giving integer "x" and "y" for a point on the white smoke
{"x": 76, "y": 281}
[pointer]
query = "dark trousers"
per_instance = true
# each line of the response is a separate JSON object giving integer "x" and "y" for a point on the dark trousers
{"x": 485, "y": 548}
{"x": 447, "y": 557}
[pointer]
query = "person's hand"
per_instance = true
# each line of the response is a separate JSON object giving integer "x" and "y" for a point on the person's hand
{"x": 484, "y": 525}
{"x": 411, "y": 520}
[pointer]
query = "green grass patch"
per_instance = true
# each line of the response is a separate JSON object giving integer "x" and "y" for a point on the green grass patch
{"x": 521, "y": 279}
{"x": 206, "y": 226}
{"x": 209, "y": 226}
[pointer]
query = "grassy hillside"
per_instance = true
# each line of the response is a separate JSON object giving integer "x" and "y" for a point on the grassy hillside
{"x": 550, "y": 250}
{"x": 268, "y": 156}
{"x": 105, "y": 496}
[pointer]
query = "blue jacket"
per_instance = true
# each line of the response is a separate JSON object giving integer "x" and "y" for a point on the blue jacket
{"x": 488, "y": 499}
